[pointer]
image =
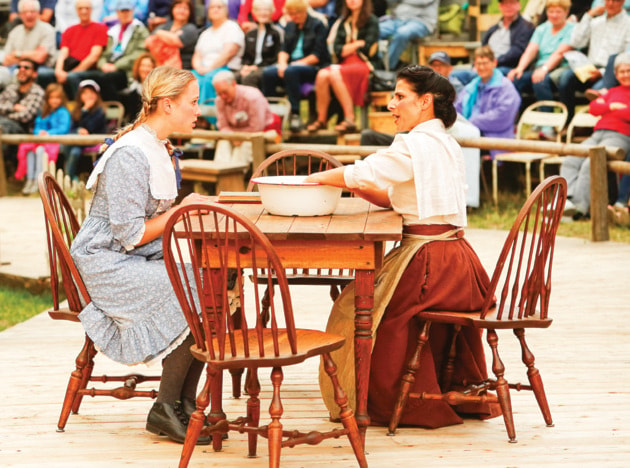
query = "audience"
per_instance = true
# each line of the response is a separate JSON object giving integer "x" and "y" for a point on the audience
{"x": 219, "y": 47}
{"x": 109, "y": 14}
{"x": 46, "y": 12}
{"x": 34, "y": 39}
{"x": 81, "y": 48}
{"x": 490, "y": 102}
{"x": 240, "y": 108}
{"x": 303, "y": 54}
{"x": 612, "y": 129}
{"x": 507, "y": 39}
{"x": 409, "y": 20}
{"x": 262, "y": 45}
{"x": 173, "y": 42}
{"x": 54, "y": 119}
{"x": 88, "y": 117}
{"x": 124, "y": 45}
{"x": 248, "y": 18}
{"x": 158, "y": 13}
{"x": 20, "y": 103}
{"x": 441, "y": 63}
{"x": 605, "y": 30}
{"x": 66, "y": 14}
{"x": 131, "y": 96}
{"x": 545, "y": 41}
{"x": 355, "y": 51}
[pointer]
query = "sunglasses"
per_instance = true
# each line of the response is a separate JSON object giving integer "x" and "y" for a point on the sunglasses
{"x": 25, "y": 67}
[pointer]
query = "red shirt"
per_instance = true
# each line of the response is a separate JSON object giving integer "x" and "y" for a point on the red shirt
{"x": 617, "y": 120}
{"x": 80, "y": 39}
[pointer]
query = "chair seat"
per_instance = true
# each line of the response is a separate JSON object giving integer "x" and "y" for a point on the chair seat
{"x": 310, "y": 343}
{"x": 473, "y": 319}
{"x": 521, "y": 157}
{"x": 64, "y": 314}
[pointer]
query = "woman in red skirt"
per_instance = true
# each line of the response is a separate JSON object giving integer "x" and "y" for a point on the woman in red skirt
{"x": 421, "y": 176}
{"x": 355, "y": 51}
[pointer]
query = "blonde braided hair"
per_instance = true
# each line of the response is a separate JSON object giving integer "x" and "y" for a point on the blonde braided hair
{"x": 161, "y": 82}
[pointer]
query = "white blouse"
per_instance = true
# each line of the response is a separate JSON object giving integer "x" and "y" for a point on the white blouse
{"x": 423, "y": 172}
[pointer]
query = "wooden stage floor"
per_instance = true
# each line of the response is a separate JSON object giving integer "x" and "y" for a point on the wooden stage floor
{"x": 584, "y": 359}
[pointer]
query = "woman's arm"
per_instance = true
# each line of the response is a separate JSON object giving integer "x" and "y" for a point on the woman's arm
{"x": 335, "y": 178}
{"x": 229, "y": 51}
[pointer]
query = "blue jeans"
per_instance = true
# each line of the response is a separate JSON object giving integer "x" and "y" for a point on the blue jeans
{"x": 400, "y": 32}
{"x": 567, "y": 87}
{"x": 543, "y": 90}
{"x": 294, "y": 77}
{"x": 73, "y": 154}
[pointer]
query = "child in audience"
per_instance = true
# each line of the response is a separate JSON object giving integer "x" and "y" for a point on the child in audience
{"x": 54, "y": 119}
{"x": 88, "y": 117}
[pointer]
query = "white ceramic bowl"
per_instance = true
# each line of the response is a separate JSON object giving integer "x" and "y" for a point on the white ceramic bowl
{"x": 291, "y": 196}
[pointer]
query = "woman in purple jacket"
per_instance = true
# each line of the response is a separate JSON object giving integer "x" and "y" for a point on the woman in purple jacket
{"x": 490, "y": 101}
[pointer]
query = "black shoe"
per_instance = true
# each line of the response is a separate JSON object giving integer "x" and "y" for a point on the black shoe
{"x": 579, "y": 216}
{"x": 169, "y": 420}
{"x": 188, "y": 407}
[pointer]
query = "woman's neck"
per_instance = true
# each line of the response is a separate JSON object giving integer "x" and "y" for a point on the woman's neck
{"x": 160, "y": 125}
{"x": 218, "y": 23}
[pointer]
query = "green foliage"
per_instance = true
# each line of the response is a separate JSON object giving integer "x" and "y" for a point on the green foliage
{"x": 19, "y": 305}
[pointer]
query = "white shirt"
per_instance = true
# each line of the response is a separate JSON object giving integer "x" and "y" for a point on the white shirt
{"x": 423, "y": 172}
{"x": 212, "y": 42}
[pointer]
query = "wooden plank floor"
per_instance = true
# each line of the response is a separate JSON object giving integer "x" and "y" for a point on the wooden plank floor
{"x": 584, "y": 359}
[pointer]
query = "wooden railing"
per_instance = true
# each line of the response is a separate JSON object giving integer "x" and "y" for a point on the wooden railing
{"x": 602, "y": 158}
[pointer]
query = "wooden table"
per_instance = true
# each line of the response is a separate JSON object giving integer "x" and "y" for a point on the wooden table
{"x": 353, "y": 237}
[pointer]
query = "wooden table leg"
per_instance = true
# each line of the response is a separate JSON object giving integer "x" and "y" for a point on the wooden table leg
{"x": 363, "y": 303}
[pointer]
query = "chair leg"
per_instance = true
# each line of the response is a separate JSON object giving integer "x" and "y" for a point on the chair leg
{"x": 216, "y": 414}
{"x": 253, "y": 410}
{"x": 195, "y": 424}
{"x": 74, "y": 385}
{"x": 275, "y": 427}
{"x": 408, "y": 379}
{"x": 346, "y": 414}
{"x": 237, "y": 374}
{"x": 449, "y": 368}
{"x": 495, "y": 183}
{"x": 502, "y": 387}
{"x": 86, "y": 372}
{"x": 534, "y": 377}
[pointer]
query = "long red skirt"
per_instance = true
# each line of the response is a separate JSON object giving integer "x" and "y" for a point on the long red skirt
{"x": 356, "y": 74}
{"x": 444, "y": 275}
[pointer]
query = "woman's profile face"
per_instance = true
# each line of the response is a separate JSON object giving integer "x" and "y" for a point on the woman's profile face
{"x": 185, "y": 109}
{"x": 405, "y": 107}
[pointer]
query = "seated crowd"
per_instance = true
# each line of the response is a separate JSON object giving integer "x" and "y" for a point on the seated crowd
{"x": 101, "y": 51}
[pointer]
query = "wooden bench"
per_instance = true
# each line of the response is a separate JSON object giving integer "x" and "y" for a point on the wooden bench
{"x": 227, "y": 177}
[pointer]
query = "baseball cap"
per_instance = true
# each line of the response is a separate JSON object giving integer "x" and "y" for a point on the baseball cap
{"x": 90, "y": 83}
{"x": 125, "y": 5}
{"x": 440, "y": 57}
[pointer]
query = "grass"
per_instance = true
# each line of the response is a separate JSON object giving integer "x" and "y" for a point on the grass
{"x": 487, "y": 217}
{"x": 19, "y": 305}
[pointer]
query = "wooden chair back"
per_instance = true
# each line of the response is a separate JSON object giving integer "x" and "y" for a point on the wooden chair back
{"x": 294, "y": 162}
{"x": 526, "y": 259}
{"x": 207, "y": 250}
{"x": 304, "y": 162}
{"x": 61, "y": 228}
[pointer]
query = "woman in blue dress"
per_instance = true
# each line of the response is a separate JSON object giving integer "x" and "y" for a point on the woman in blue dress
{"x": 134, "y": 316}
